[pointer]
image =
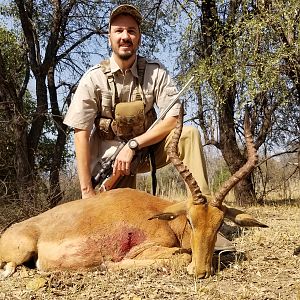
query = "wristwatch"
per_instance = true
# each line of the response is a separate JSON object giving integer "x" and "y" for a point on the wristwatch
{"x": 133, "y": 144}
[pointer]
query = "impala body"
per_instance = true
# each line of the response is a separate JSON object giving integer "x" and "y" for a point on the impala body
{"x": 112, "y": 227}
{"x": 125, "y": 227}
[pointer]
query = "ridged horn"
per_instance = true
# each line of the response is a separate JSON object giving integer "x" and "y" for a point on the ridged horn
{"x": 246, "y": 169}
{"x": 187, "y": 176}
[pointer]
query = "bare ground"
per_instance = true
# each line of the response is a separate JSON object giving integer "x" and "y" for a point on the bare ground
{"x": 266, "y": 266}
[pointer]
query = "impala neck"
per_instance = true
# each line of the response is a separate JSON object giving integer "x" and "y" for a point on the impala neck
{"x": 182, "y": 230}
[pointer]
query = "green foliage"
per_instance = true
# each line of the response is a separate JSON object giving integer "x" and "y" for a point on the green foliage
{"x": 250, "y": 57}
{"x": 12, "y": 72}
{"x": 13, "y": 56}
{"x": 252, "y": 51}
{"x": 47, "y": 149}
{"x": 220, "y": 176}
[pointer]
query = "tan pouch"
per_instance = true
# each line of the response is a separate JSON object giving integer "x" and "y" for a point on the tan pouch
{"x": 129, "y": 119}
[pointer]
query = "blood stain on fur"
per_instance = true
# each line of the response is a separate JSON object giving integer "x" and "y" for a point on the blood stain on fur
{"x": 113, "y": 245}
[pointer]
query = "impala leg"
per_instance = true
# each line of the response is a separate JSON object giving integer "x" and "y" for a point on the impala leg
{"x": 152, "y": 250}
{"x": 130, "y": 264}
{"x": 9, "y": 269}
{"x": 17, "y": 246}
{"x": 150, "y": 254}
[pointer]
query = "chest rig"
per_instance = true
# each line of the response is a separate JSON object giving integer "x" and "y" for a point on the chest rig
{"x": 129, "y": 119}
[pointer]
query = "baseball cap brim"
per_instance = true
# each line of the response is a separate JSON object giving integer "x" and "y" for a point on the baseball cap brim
{"x": 126, "y": 9}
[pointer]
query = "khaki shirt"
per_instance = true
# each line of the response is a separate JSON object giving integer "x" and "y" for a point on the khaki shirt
{"x": 93, "y": 95}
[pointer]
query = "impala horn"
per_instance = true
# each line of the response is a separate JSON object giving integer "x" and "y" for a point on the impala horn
{"x": 198, "y": 197}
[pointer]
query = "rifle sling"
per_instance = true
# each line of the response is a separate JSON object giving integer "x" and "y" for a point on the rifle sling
{"x": 153, "y": 170}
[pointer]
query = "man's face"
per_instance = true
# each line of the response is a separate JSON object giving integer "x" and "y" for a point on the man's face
{"x": 124, "y": 36}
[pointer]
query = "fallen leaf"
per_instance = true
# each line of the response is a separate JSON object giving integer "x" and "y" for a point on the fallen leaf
{"x": 36, "y": 283}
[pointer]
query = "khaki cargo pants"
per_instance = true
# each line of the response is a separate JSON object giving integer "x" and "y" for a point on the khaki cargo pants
{"x": 191, "y": 153}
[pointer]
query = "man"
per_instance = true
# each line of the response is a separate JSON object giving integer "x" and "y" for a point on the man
{"x": 93, "y": 95}
{"x": 108, "y": 91}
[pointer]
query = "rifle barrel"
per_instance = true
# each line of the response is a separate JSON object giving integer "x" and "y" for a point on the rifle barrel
{"x": 170, "y": 105}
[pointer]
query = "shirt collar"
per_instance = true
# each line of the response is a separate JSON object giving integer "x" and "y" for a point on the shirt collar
{"x": 115, "y": 68}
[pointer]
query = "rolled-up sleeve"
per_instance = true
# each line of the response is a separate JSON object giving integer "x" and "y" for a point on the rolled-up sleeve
{"x": 84, "y": 105}
{"x": 163, "y": 88}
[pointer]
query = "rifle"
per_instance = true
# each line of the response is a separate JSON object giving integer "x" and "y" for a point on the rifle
{"x": 104, "y": 175}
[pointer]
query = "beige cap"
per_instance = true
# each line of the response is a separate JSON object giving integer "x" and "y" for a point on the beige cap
{"x": 126, "y": 9}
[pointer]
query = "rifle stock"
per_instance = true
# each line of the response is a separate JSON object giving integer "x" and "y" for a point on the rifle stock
{"x": 111, "y": 181}
{"x": 106, "y": 168}
{"x": 104, "y": 177}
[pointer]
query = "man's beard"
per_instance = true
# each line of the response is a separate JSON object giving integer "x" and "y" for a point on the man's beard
{"x": 127, "y": 55}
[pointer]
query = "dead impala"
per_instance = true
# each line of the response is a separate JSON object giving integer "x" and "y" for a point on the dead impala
{"x": 126, "y": 227}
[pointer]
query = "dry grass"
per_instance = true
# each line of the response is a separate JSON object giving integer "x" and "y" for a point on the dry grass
{"x": 269, "y": 270}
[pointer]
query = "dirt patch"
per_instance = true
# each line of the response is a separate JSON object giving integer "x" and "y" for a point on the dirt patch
{"x": 266, "y": 266}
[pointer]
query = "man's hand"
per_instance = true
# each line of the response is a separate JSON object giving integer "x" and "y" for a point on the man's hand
{"x": 88, "y": 193}
{"x": 159, "y": 132}
{"x": 123, "y": 161}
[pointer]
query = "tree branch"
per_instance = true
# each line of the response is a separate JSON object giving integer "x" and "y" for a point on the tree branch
{"x": 277, "y": 154}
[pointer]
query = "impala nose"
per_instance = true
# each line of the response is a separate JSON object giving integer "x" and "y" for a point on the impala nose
{"x": 202, "y": 275}
{"x": 198, "y": 273}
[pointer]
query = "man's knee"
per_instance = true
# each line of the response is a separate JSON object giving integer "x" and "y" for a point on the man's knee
{"x": 190, "y": 131}
{"x": 190, "y": 135}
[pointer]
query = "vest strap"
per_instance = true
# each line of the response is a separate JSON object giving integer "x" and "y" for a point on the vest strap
{"x": 141, "y": 66}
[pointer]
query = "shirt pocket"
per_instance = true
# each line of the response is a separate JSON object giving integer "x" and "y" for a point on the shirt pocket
{"x": 106, "y": 104}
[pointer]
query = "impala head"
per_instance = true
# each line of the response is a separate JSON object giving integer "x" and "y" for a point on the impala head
{"x": 205, "y": 218}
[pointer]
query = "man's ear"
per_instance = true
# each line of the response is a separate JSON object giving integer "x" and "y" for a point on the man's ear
{"x": 171, "y": 212}
{"x": 241, "y": 218}
{"x": 108, "y": 36}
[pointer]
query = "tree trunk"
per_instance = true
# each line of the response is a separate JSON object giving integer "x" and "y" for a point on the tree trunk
{"x": 55, "y": 194}
{"x": 39, "y": 118}
{"x": 244, "y": 190}
{"x": 23, "y": 170}
{"x": 212, "y": 28}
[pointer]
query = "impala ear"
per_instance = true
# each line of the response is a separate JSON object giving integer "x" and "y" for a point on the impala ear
{"x": 171, "y": 212}
{"x": 241, "y": 218}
